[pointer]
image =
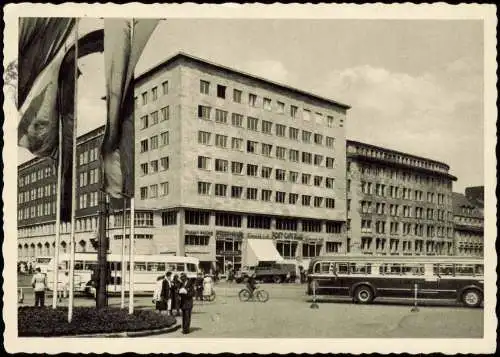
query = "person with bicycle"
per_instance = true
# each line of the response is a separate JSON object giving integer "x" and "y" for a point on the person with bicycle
{"x": 252, "y": 284}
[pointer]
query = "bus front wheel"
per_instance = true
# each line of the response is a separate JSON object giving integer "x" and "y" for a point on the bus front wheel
{"x": 472, "y": 298}
{"x": 363, "y": 294}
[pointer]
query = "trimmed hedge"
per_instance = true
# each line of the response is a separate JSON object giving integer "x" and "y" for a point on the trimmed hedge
{"x": 47, "y": 322}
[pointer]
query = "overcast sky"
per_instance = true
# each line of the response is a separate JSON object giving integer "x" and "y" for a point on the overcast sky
{"x": 414, "y": 85}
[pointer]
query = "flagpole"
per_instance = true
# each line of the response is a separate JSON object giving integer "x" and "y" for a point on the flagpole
{"x": 131, "y": 256}
{"x": 73, "y": 185}
{"x": 58, "y": 221}
{"x": 123, "y": 253}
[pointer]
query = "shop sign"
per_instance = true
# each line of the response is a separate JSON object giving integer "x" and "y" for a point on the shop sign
{"x": 230, "y": 253}
{"x": 313, "y": 240}
{"x": 226, "y": 234}
{"x": 287, "y": 235}
{"x": 199, "y": 233}
{"x": 258, "y": 236}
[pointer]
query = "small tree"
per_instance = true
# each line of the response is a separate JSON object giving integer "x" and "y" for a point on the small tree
{"x": 10, "y": 79}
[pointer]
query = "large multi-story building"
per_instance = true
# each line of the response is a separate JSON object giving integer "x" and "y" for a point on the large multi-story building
{"x": 397, "y": 203}
{"x": 469, "y": 226}
{"x": 230, "y": 168}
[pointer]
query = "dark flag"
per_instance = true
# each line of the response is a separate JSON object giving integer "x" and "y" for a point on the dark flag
{"x": 124, "y": 41}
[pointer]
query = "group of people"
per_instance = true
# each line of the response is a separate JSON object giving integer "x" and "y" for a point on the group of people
{"x": 204, "y": 287}
{"x": 173, "y": 294}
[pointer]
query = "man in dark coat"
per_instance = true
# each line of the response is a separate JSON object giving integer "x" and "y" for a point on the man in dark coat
{"x": 166, "y": 295}
{"x": 186, "y": 293}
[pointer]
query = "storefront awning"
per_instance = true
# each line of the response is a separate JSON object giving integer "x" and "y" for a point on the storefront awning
{"x": 261, "y": 250}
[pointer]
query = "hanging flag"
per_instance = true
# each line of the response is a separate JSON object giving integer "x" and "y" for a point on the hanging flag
{"x": 124, "y": 41}
{"x": 46, "y": 92}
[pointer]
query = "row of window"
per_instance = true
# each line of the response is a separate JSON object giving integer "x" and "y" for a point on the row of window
{"x": 405, "y": 228}
{"x": 88, "y": 177}
{"x": 36, "y": 175}
{"x": 380, "y": 245}
{"x": 403, "y": 193}
{"x": 154, "y": 191}
{"x": 36, "y": 193}
{"x": 154, "y": 94}
{"x": 155, "y": 141}
{"x": 154, "y": 166}
{"x": 268, "y": 104}
{"x": 154, "y": 118}
{"x": 39, "y": 210}
{"x": 86, "y": 200}
{"x": 404, "y": 211}
{"x": 88, "y": 156}
{"x": 142, "y": 219}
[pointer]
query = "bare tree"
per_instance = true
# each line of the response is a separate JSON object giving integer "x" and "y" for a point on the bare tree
{"x": 10, "y": 79}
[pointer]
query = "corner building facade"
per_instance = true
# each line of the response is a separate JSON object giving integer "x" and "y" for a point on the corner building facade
{"x": 469, "y": 225}
{"x": 225, "y": 159}
{"x": 397, "y": 203}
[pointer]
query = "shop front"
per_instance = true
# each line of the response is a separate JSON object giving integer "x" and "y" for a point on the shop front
{"x": 197, "y": 245}
{"x": 228, "y": 246}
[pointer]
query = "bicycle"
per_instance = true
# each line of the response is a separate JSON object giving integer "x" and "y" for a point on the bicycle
{"x": 259, "y": 294}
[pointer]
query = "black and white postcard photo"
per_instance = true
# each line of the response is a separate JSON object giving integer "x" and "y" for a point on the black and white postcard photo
{"x": 249, "y": 178}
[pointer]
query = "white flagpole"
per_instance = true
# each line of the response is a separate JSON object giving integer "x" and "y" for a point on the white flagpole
{"x": 131, "y": 256}
{"x": 73, "y": 186}
{"x": 55, "y": 275}
{"x": 123, "y": 254}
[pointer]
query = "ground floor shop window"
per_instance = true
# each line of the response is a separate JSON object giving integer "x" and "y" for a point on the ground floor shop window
{"x": 228, "y": 254}
{"x": 287, "y": 249}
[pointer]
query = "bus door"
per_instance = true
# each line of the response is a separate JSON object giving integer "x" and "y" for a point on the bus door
{"x": 429, "y": 286}
{"x": 324, "y": 277}
{"x": 343, "y": 280}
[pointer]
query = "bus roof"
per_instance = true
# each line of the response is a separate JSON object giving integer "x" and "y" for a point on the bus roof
{"x": 397, "y": 259}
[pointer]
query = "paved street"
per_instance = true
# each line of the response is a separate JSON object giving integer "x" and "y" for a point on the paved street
{"x": 288, "y": 314}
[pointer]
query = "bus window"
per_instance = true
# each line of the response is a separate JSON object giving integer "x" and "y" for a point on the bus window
{"x": 412, "y": 269}
{"x": 160, "y": 267}
{"x": 140, "y": 266}
{"x": 317, "y": 268}
{"x": 464, "y": 269}
{"x": 479, "y": 270}
{"x": 171, "y": 267}
{"x": 191, "y": 268}
{"x": 362, "y": 268}
{"x": 78, "y": 265}
{"x": 390, "y": 269}
{"x": 443, "y": 269}
{"x": 90, "y": 266}
{"x": 152, "y": 267}
{"x": 342, "y": 268}
{"x": 180, "y": 267}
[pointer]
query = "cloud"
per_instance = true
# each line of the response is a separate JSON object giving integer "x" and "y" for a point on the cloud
{"x": 269, "y": 69}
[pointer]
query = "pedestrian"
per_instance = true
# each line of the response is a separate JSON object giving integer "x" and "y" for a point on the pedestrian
{"x": 175, "y": 298}
{"x": 39, "y": 284}
{"x": 199, "y": 287}
{"x": 63, "y": 286}
{"x": 160, "y": 304}
{"x": 186, "y": 293}
{"x": 166, "y": 292}
{"x": 207, "y": 287}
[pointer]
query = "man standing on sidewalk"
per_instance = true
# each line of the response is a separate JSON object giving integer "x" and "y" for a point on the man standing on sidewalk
{"x": 187, "y": 293}
{"x": 39, "y": 284}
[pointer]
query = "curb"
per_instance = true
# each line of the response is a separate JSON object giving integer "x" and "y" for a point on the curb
{"x": 143, "y": 333}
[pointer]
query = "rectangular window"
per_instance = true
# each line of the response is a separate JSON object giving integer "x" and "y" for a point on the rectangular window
{"x": 144, "y": 122}
{"x": 154, "y": 93}
{"x": 154, "y": 166}
{"x": 220, "y": 141}
{"x": 293, "y": 133}
{"x": 236, "y": 191}
{"x": 267, "y": 104}
{"x": 267, "y": 127}
{"x": 236, "y": 167}
{"x": 221, "y": 165}
{"x": 220, "y": 116}
{"x": 318, "y": 139}
{"x": 306, "y": 158}
{"x": 153, "y": 190}
{"x": 204, "y": 162}
{"x": 293, "y": 176}
{"x": 144, "y": 98}
{"x": 306, "y": 179}
{"x": 204, "y": 87}
{"x": 144, "y": 145}
{"x": 252, "y": 170}
{"x": 293, "y": 155}
{"x": 154, "y": 142}
{"x": 330, "y": 142}
{"x": 203, "y": 188}
{"x": 266, "y": 195}
{"x": 318, "y": 180}
{"x": 318, "y": 201}
{"x": 281, "y": 107}
{"x": 165, "y": 113}
{"x": 220, "y": 189}
{"x": 237, "y": 96}
{"x": 280, "y": 197}
{"x": 329, "y": 162}
{"x": 329, "y": 121}
{"x": 259, "y": 222}
{"x": 330, "y": 203}
{"x": 165, "y": 87}
{"x": 293, "y": 111}
{"x": 252, "y": 100}
{"x": 204, "y": 137}
{"x": 252, "y": 123}
{"x": 197, "y": 217}
{"x": 144, "y": 193}
{"x": 319, "y": 118}
{"x": 237, "y": 144}
{"x": 318, "y": 160}
{"x": 251, "y": 193}
{"x": 164, "y": 189}
{"x": 306, "y": 136}
{"x": 280, "y": 130}
{"x": 227, "y": 220}
{"x": 266, "y": 172}
{"x": 306, "y": 201}
{"x": 204, "y": 112}
{"x": 252, "y": 146}
{"x": 164, "y": 163}
{"x": 280, "y": 152}
{"x": 221, "y": 91}
{"x": 267, "y": 149}
{"x": 280, "y": 174}
{"x": 306, "y": 115}
{"x": 237, "y": 120}
{"x": 144, "y": 169}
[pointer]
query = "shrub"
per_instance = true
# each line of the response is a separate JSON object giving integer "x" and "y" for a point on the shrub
{"x": 33, "y": 321}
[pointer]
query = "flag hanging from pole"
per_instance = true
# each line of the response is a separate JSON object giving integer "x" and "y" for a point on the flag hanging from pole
{"x": 46, "y": 91}
{"x": 124, "y": 41}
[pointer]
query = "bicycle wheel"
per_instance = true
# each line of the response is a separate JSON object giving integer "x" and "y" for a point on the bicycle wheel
{"x": 244, "y": 295}
{"x": 262, "y": 295}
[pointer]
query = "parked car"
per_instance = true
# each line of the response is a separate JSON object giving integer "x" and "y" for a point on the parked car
{"x": 274, "y": 272}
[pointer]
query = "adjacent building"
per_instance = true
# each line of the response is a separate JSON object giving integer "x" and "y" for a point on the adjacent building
{"x": 397, "y": 203}
{"x": 468, "y": 226}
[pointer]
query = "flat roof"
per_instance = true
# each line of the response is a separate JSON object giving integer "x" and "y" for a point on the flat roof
{"x": 182, "y": 55}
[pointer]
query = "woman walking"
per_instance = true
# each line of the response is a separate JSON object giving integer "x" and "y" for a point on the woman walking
{"x": 207, "y": 287}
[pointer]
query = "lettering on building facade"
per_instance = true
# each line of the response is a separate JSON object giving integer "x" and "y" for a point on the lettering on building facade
{"x": 287, "y": 236}
{"x": 199, "y": 233}
{"x": 229, "y": 235}
{"x": 258, "y": 236}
